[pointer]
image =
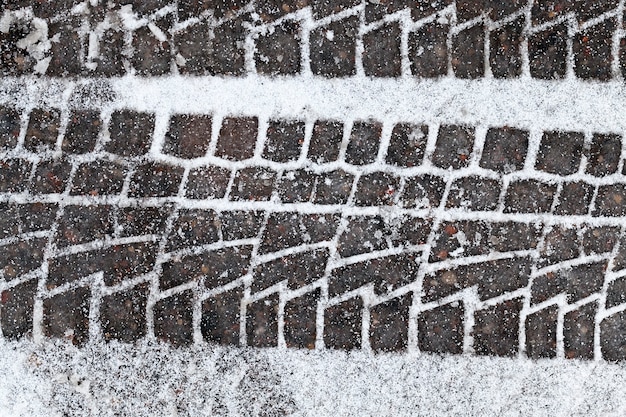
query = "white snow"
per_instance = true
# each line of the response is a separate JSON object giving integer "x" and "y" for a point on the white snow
{"x": 155, "y": 380}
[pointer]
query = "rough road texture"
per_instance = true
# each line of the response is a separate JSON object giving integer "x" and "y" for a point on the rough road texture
{"x": 249, "y": 230}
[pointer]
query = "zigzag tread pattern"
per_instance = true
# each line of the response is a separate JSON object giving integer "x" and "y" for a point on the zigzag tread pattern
{"x": 312, "y": 233}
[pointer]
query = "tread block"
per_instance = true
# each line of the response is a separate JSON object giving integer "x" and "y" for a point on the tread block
{"x": 152, "y": 56}
{"x": 454, "y": 146}
{"x": 16, "y": 310}
{"x": 273, "y": 9}
{"x": 496, "y": 329}
{"x": 278, "y": 51}
{"x": 363, "y": 234}
{"x": 325, "y": 141}
{"x": 144, "y": 7}
{"x": 578, "y": 332}
{"x": 474, "y": 193}
{"x": 173, "y": 319}
{"x": 378, "y": 10}
{"x": 333, "y": 187}
{"x": 592, "y": 51}
{"x": 546, "y": 10}
{"x": 493, "y": 278}
{"x": 529, "y": 196}
{"x": 440, "y": 330}
{"x": 81, "y": 224}
{"x": 137, "y": 221}
{"x": 218, "y": 267}
{"x": 194, "y": 45}
{"x": 386, "y": 274}
{"x": 468, "y": 53}
{"x": 560, "y": 152}
{"x": 610, "y": 200}
{"x": 586, "y": 10}
{"x": 604, "y": 154}
{"x": 301, "y": 320}
{"x": 208, "y": 182}
{"x": 577, "y": 282}
{"x": 69, "y": 268}
{"x": 389, "y": 325}
{"x": 223, "y": 53}
{"x": 225, "y": 265}
{"x": 512, "y": 236}
{"x": 297, "y": 270}
{"x": 407, "y": 145}
{"x": 66, "y": 50}
{"x": 192, "y": 228}
{"x": 237, "y": 138}
{"x": 541, "y": 333}
{"x": 118, "y": 262}
{"x": 574, "y": 198}
{"x": 81, "y": 133}
{"x": 43, "y": 129}
{"x": 612, "y": 341}
{"x": 188, "y": 136}
{"x": 504, "y": 150}
{"x": 381, "y": 51}
{"x": 616, "y": 292}
{"x": 547, "y": 52}
{"x": 240, "y": 224}
{"x": 121, "y": 262}
{"x": 130, "y": 133}
{"x": 364, "y": 142}
{"x": 123, "y": 314}
{"x": 322, "y": 8}
{"x": 285, "y": 230}
{"x": 262, "y": 322}
{"x": 462, "y": 238}
{"x": 296, "y": 186}
{"x": 500, "y": 9}
{"x": 9, "y": 127}
{"x": 376, "y": 189}
{"x": 469, "y": 9}
{"x": 14, "y": 174}
{"x": 220, "y": 317}
{"x": 561, "y": 243}
{"x": 110, "y": 62}
{"x": 342, "y": 325}
{"x": 66, "y": 316}
{"x": 51, "y": 176}
{"x": 25, "y": 218}
{"x": 597, "y": 240}
{"x": 221, "y": 8}
{"x": 99, "y": 178}
{"x": 499, "y": 277}
{"x": 333, "y": 48}
{"x": 21, "y": 257}
{"x": 14, "y": 60}
{"x": 412, "y": 231}
{"x": 284, "y": 140}
{"x": 423, "y": 191}
{"x": 253, "y": 184}
{"x": 619, "y": 262}
{"x": 156, "y": 179}
{"x": 428, "y": 50}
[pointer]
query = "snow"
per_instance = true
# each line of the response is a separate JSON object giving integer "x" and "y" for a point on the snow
{"x": 110, "y": 380}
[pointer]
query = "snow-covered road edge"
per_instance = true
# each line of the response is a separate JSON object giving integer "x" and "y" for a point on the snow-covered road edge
{"x": 106, "y": 380}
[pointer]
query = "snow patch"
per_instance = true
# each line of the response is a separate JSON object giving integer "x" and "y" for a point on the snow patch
{"x": 54, "y": 379}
